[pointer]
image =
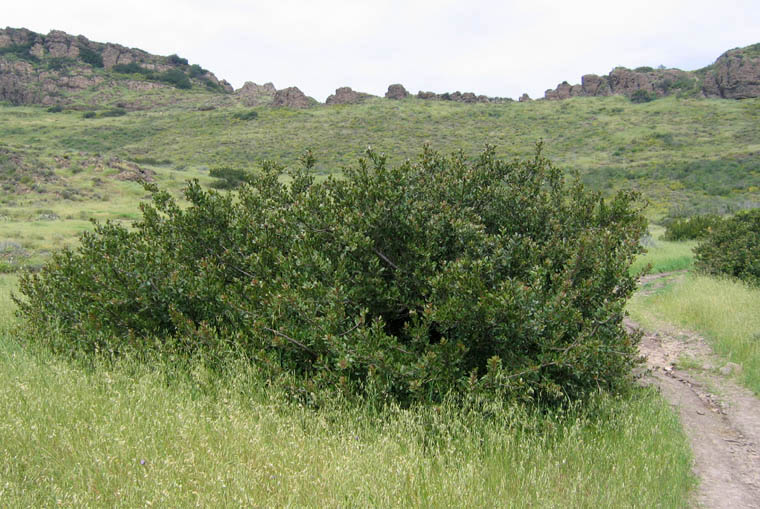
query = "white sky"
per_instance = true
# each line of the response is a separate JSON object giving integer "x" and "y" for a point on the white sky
{"x": 487, "y": 47}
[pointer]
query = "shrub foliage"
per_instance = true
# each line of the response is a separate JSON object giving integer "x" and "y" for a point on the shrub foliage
{"x": 694, "y": 227}
{"x": 733, "y": 248}
{"x": 404, "y": 283}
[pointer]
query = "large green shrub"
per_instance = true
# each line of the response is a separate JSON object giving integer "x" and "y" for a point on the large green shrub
{"x": 404, "y": 282}
{"x": 733, "y": 248}
{"x": 694, "y": 227}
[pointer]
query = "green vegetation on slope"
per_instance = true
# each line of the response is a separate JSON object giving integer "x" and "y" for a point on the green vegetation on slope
{"x": 684, "y": 155}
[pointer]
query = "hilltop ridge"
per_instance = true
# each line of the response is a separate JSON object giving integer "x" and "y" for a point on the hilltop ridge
{"x": 734, "y": 75}
{"x": 59, "y": 69}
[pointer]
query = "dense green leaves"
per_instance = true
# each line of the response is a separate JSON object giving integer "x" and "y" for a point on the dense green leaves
{"x": 733, "y": 248}
{"x": 694, "y": 227}
{"x": 405, "y": 283}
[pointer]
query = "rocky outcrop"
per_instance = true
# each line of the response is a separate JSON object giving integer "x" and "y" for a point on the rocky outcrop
{"x": 734, "y": 75}
{"x": 291, "y": 97}
{"x": 252, "y": 94}
{"x": 462, "y": 97}
{"x": 396, "y": 91}
{"x": 345, "y": 95}
{"x": 595, "y": 86}
{"x": 45, "y": 69}
{"x": 623, "y": 81}
{"x": 524, "y": 98}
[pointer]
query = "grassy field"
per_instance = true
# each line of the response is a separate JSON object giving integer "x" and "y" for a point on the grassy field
{"x": 57, "y": 170}
{"x": 135, "y": 434}
{"x": 726, "y": 312}
{"x": 662, "y": 255}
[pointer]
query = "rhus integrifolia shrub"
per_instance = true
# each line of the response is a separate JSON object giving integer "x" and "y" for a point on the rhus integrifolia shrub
{"x": 732, "y": 248}
{"x": 404, "y": 282}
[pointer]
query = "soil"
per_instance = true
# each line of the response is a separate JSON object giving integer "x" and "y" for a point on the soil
{"x": 721, "y": 419}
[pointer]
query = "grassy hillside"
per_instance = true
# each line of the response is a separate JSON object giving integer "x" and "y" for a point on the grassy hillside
{"x": 683, "y": 154}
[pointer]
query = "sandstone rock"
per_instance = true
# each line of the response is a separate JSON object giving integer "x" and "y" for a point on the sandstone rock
{"x": 15, "y": 80}
{"x": 427, "y": 95}
{"x": 525, "y": 98}
{"x": 60, "y": 45}
{"x": 291, "y": 97}
{"x": 226, "y": 86}
{"x": 345, "y": 95}
{"x": 594, "y": 85}
{"x": 38, "y": 50}
{"x": 396, "y": 91}
{"x": 735, "y": 74}
{"x": 251, "y": 94}
{"x": 626, "y": 82}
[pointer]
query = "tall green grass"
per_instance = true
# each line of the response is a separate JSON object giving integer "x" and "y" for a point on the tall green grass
{"x": 663, "y": 255}
{"x": 129, "y": 433}
{"x": 725, "y": 311}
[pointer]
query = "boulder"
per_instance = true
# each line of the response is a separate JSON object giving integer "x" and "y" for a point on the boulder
{"x": 345, "y": 95}
{"x": 291, "y": 97}
{"x": 734, "y": 75}
{"x": 525, "y": 98}
{"x": 396, "y": 91}
{"x": 594, "y": 85}
{"x": 61, "y": 45}
{"x": 252, "y": 94}
{"x": 625, "y": 81}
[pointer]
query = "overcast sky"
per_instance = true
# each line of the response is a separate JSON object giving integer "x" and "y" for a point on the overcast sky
{"x": 487, "y": 47}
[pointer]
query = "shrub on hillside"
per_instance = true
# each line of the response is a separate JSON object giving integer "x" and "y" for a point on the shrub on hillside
{"x": 643, "y": 96}
{"x": 175, "y": 77}
{"x": 406, "y": 283}
{"x": 131, "y": 68}
{"x": 246, "y": 115}
{"x": 733, "y": 248}
{"x": 89, "y": 56}
{"x": 176, "y": 60}
{"x": 229, "y": 178}
{"x": 694, "y": 227}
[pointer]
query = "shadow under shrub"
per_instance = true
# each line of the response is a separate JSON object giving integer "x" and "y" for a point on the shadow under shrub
{"x": 404, "y": 283}
{"x": 733, "y": 248}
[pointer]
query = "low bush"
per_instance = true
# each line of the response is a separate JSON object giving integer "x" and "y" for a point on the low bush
{"x": 20, "y": 51}
{"x": 175, "y": 77}
{"x": 229, "y": 178}
{"x": 246, "y": 115}
{"x": 695, "y": 227}
{"x": 131, "y": 68}
{"x": 643, "y": 96}
{"x": 114, "y": 112}
{"x": 733, "y": 248}
{"x": 196, "y": 71}
{"x": 89, "y": 114}
{"x": 407, "y": 283}
{"x": 89, "y": 56}
{"x": 176, "y": 60}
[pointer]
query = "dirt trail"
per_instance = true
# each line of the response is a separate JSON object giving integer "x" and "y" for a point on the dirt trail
{"x": 721, "y": 419}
